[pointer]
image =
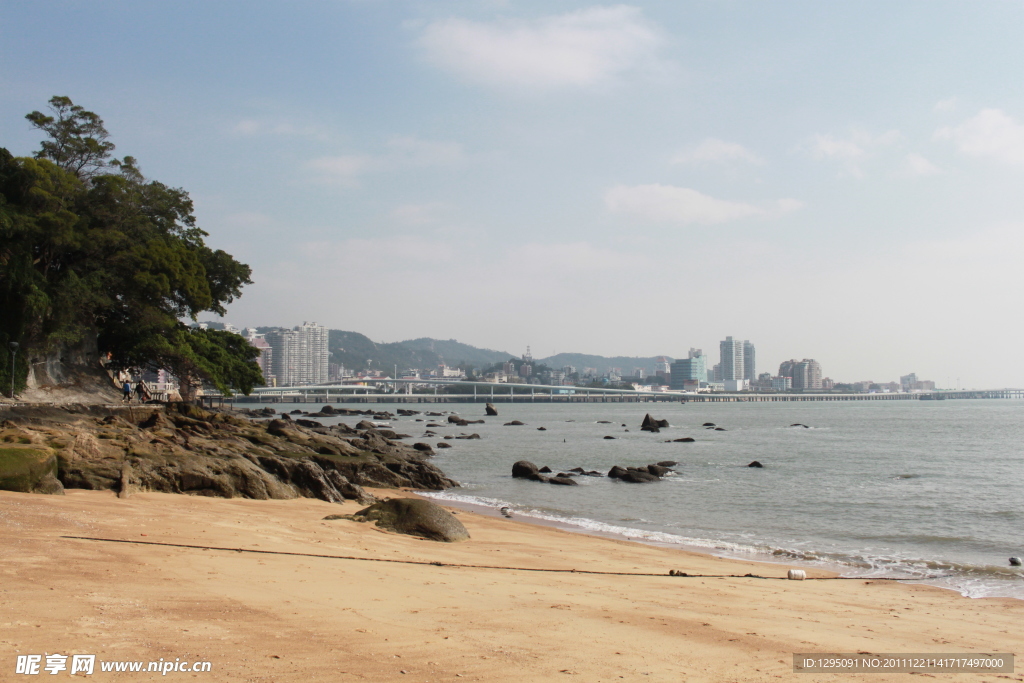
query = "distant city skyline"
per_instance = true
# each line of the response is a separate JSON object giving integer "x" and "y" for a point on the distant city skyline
{"x": 836, "y": 181}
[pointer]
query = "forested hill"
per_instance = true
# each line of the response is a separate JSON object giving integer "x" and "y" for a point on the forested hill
{"x": 358, "y": 352}
{"x": 454, "y": 352}
{"x": 626, "y": 364}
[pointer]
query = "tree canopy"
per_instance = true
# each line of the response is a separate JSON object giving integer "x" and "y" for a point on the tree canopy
{"x": 89, "y": 247}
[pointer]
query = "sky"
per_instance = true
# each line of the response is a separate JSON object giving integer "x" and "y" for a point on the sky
{"x": 830, "y": 180}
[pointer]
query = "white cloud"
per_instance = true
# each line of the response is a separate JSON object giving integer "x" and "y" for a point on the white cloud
{"x": 789, "y": 205}
{"x": 343, "y": 170}
{"x": 946, "y": 105}
{"x": 852, "y": 149}
{"x": 990, "y": 134}
{"x": 578, "y": 49}
{"x": 717, "y": 151}
{"x": 401, "y": 153}
{"x": 418, "y": 214}
{"x": 917, "y": 165}
{"x": 669, "y": 204}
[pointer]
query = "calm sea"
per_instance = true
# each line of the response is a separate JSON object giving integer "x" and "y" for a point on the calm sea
{"x": 885, "y": 488}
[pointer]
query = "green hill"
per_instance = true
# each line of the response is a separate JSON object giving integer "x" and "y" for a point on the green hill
{"x": 456, "y": 353}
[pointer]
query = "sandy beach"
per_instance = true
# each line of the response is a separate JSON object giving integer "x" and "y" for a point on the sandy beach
{"x": 275, "y": 617}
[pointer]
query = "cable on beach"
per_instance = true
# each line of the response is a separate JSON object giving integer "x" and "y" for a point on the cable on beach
{"x": 673, "y": 573}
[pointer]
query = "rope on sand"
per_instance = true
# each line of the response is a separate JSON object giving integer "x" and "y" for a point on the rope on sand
{"x": 673, "y": 573}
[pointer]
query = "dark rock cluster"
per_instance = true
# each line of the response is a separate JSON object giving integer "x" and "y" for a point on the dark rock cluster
{"x": 642, "y": 475}
{"x": 651, "y": 425}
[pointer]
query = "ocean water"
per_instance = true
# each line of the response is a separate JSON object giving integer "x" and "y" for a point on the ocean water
{"x": 926, "y": 490}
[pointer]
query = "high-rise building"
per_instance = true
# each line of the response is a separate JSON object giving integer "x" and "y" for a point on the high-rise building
{"x": 300, "y": 355}
{"x": 806, "y": 373}
{"x": 692, "y": 368}
{"x": 731, "y": 359}
{"x": 749, "y": 371}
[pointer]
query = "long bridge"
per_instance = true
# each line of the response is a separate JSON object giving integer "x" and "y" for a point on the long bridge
{"x": 387, "y": 390}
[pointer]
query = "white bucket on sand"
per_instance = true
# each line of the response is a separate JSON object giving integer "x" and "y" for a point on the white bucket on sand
{"x": 797, "y": 575}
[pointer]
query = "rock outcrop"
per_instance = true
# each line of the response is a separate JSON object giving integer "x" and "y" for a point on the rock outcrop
{"x": 190, "y": 450}
{"x": 490, "y": 410}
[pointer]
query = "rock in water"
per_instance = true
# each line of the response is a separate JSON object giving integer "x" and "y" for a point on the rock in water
{"x": 755, "y": 464}
{"x": 616, "y": 472}
{"x": 423, "y": 448}
{"x": 490, "y": 410}
{"x": 524, "y": 469}
{"x": 515, "y": 423}
{"x": 651, "y": 425}
{"x": 637, "y": 477}
{"x": 415, "y": 517}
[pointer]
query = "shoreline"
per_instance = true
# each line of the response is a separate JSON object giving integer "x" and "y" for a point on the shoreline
{"x": 833, "y": 568}
{"x": 300, "y": 618}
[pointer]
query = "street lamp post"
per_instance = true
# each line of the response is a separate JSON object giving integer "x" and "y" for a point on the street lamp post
{"x": 14, "y": 352}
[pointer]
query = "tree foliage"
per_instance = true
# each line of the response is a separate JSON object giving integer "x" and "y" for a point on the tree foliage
{"x": 89, "y": 246}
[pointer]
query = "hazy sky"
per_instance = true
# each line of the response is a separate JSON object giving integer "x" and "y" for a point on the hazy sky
{"x": 840, "y": 181}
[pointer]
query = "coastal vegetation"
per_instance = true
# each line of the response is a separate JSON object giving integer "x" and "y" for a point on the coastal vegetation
{"x": 98, "y": 261}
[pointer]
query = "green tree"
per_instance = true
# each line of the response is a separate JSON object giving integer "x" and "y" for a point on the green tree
{"x": 91, "y": 249}
{"x": 78, "y": 139}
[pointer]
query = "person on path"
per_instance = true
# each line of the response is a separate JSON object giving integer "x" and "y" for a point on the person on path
{"x": 127, "y": 388}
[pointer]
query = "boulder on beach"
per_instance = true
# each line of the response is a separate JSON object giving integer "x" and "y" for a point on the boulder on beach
{"x": 28, "y": 468}
{"x": 490, "y": 410}
{"x": 415, "y": 517}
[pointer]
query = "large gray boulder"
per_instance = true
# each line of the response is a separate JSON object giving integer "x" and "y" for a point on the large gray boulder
{"x": 415, "y": 517}
{"x": 490, "y": 410}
